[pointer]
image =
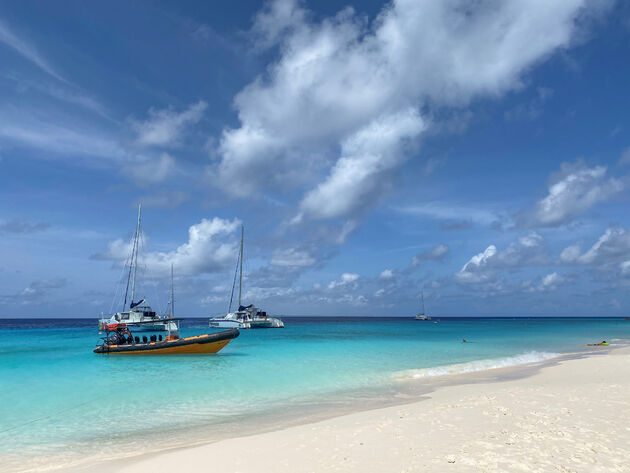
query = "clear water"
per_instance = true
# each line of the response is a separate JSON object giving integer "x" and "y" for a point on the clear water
{"x": 57, "y": 398}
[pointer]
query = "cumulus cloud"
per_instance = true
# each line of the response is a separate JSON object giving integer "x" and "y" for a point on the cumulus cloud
{"x": 35, "y": 292}
{"x": 572, "y": 192}
{"x": 610, "y": 250}
{"x": 437, "y": 253}
{"x": 347, "y": 279}
{"x": 356, "y": 179}
{"x": 209, "y": 249}
{"x": 340, "y": 80}
{"x": 529, "y": 250}
{"x": 387, "y": 274}
{"x": 165, "y": 127}
{"x": 551, "y": 282}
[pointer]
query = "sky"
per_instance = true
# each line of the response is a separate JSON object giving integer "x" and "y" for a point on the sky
{"x": 476, "y": 152}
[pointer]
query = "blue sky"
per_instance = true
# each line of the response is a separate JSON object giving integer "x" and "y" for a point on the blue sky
{"x": 479, "y": 151}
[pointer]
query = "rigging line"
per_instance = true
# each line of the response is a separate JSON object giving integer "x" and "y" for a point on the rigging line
{"x": 234, "y": 283}
{"x": 133, "y": 249}
{"x": 120, "y": 278}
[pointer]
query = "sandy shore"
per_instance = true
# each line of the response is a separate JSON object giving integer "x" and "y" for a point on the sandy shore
{"x": 573, "y": 416}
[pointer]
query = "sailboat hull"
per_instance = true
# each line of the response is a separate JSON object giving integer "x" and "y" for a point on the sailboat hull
{"x": 200, "y": 344}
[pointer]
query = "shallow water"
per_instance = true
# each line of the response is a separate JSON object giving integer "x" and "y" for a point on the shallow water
{"x": 58, "y": 398}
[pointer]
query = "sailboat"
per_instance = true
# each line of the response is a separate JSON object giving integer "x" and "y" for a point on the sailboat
{"x": 422, "y": 315}
{"x": 139, "y": 312}
{"x": 246, "y": 316}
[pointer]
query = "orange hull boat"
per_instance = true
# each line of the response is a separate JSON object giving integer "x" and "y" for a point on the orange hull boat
{"x": 200, "y": 344}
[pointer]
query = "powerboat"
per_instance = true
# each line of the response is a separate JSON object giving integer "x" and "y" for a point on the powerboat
{"x": 119, "y": 340}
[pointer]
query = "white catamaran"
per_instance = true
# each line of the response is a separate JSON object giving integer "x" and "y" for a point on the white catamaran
{"x": 246, "y": 316}
{"x": 139, "y": 312}
{"x": 422, "y": 315}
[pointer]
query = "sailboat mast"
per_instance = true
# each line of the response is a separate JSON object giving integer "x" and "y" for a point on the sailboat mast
{"x": 172, "y": 294}
{"x": 422, "y": 297}
{"x": 240, "y": 282}
{"x": 135, "y": 262}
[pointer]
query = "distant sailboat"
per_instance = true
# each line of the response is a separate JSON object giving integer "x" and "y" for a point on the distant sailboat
{"x": 422, "y": 315}
{"x": 246, "y": 316}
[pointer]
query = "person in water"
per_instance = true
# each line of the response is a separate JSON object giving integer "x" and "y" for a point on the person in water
{"x": 464, "y": 340}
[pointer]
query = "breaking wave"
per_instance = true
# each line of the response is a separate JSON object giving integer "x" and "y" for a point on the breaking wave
{"x": 477, "y": 365}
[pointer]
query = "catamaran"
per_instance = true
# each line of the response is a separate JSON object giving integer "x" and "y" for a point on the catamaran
{"x": 139, "y": 313}
{"x": 246, "y": 316}
{"x": 422, "y": 315}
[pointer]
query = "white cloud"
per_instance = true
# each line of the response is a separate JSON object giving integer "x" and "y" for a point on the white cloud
{"x": 205, "y": 252}
{"x": 526, "y": 251}
{"x": 451, "y": 211}
{"x": 27, "y": 51}
{"x": 573, "y": 192}
{"x": 551, "y": 282}
{"x": 475, "y": 269}
{"x": 72, "y": 95}
{"x": 612, "y": 248}
{"x": 35, "y": 293}
{"x": 341, "y": 79}
{"x": 570, "y": 254}
{"x": 625, "y": 157}
{"x": 387, "y": 274}
{"x": 292, "y": 258}
{"x": 150, "y": 170}
{"x": 17, "y": 226}
{"x": 165, "y": 127}
{"x": 347, "y": 279}
{"x": 54, "y": 138}
{"x": 437, "y": 253}
{"x": 357, "y": 177}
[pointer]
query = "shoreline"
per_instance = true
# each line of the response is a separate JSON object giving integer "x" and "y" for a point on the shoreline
{"x": 411, "y": 393}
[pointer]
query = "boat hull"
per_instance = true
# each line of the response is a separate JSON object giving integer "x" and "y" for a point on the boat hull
{"x": 200, "y": 344}
{"x": 227, "y": 323}
{"x": 270, "y": 322}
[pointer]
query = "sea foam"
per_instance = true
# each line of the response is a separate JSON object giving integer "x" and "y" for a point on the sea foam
{"x": 477, "y": 365}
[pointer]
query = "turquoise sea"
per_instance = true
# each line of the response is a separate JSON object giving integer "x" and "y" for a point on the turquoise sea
{"x": 60, "y": 403}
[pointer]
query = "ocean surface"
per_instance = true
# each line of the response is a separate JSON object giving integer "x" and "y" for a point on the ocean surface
{"x": 60, "y": 403}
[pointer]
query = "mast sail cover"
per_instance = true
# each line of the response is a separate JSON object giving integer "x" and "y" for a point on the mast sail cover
{"x": 135, "y": 304}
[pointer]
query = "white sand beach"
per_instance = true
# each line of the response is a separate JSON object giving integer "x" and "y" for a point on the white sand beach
{"x": 573, "y": 416}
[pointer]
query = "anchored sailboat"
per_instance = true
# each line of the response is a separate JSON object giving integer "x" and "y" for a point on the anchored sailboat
{"x": 422, "y": 315}
{"x": 246, "y": 316}
{"x": 139, "y": 313}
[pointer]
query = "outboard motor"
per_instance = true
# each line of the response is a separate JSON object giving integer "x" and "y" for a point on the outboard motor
{"x": 113, "y": 339}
